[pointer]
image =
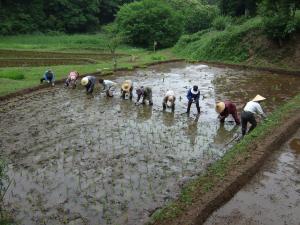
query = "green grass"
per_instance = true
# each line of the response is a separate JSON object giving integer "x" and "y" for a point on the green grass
{"x": 17, "y": 78}
{"x": 213, "y": 45}
{"x": 219, "y": 169}
{"x": 13, "y": 75}
{"x": 61, "y": 42}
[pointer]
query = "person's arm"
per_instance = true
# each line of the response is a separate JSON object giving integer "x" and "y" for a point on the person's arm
{"x": 260, "y": 111}
{"x": 138, "y": 98}
{"x": 189, "y": 95}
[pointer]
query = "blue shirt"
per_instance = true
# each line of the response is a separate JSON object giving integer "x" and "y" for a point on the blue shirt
{"x": 190, "y": 96}
{"x": 49, "y": 76}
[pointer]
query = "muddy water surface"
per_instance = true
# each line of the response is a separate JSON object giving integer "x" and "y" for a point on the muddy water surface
{"x": 272, "y": 196}
{"x": 95, "y": 160}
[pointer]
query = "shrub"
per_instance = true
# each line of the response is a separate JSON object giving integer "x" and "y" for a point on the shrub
{"x": 278, "y": 18}
{"x": 147, "y": 21}
{"x": 196, "y": 15}
{"x": 221, "y": 22}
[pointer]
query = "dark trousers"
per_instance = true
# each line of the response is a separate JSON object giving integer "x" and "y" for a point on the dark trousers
{"x": 245, "y": 118}
{"x": 190, "y": 104}
{"x": 50, "y": 79}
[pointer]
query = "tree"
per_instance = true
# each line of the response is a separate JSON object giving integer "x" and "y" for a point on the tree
{"x": 279, "y": 18}
{"x": 195, "y": 15}
{"x": 238, "y": 7}
{"x": 147, "y": 21}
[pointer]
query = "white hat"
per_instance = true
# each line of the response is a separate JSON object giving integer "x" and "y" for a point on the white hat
{"x": 258, "y": 98}
{"x": 84, "y": 81}
{"x": 194, "y": 92}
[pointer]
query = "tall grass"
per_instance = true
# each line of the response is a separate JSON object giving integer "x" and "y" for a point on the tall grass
{"x": 48, "y": 42}
{"x": 224, "y": 45}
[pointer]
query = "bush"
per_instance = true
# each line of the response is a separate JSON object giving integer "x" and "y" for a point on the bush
{"x": 196, "y": 15}
{"x": 278, "y": 18}
{"x": 221, "y": 22}
{"x": 147, "y": 21}
{"x": 224, "y": 45}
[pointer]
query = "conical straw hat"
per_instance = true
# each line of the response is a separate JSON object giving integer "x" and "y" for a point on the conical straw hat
{"x": 220, "y": 106}
{"x": 84, "y": 81}
{"x": 258, "y": 98}
{"x": 126, "y": 85}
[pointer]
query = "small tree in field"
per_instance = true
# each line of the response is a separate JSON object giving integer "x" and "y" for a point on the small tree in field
{"x": 114, "y": 41}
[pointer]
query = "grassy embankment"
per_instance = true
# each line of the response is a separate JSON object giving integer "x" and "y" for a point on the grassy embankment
{"x": 17, "y": 78}
{"x": 222, "y": 167}
{"x": 242, "y": 43}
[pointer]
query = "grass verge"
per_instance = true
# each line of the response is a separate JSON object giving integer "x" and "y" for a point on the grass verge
{"x": 222, "y": 167}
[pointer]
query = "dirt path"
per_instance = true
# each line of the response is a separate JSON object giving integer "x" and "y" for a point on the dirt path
{"x": 273, "y": 194}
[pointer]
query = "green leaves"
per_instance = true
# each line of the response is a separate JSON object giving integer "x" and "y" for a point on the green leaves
{"x": 147, "y": 21}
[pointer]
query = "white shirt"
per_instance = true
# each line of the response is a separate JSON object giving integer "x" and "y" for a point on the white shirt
{"x": 107, "y": 84}
{"x": 170, "y": 93}
{"x": 254, "y": 107}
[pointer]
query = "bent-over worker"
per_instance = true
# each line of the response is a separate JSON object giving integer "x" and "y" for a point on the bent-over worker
{"x": 108, "y": 87}
{"x": 89, "y": 83}
{"x": 169, "y": 100}
{"x": 126, "y": 89}
{"x": 193, "y": 96}
{"x": 146, "y": 93}
{"x": 72, "y": 79}
{"x": 224, "y": 109}
{"x": 248, "y": 114}
{"x": 48, "y": 77}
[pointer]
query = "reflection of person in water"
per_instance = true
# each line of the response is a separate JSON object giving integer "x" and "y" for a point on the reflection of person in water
{"x": 168, "y": 119}
{"x": 144, "y": 113}
{"x": 192, "y": 129}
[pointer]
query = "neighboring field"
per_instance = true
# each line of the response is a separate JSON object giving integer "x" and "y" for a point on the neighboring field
{"x": 25, "y": 58}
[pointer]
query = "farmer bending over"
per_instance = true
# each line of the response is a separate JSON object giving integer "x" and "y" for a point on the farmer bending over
{"x": 224, "y": 109}
{"x": 108, "y": 87}
{"x": 89, "y": 83}
{"x": 49, "y": 77}
{"x": 126, "y": 89}
{"x": 169, "y": 100}
{"x": 193, "y": 96}
{"x": 252, "y": 107}
{"x": 72, "y": 79}
{"x": 146, "y": 93}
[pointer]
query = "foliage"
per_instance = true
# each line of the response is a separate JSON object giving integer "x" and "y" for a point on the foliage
{"x": 224, "y": 45}
{"x": 195, "y": 14}
{"x": 71, "y": 16}
{"x": 238, "y": 7}
{"x": 279, "y": 18}
{"x": 148, "y": 21}
{"x": 221, "y": 22}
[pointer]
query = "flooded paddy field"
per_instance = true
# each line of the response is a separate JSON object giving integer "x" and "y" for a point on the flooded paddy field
{"x": 78, "y": 159}
{"x": 12, "y": 58}
{"x": 272, "y": 196}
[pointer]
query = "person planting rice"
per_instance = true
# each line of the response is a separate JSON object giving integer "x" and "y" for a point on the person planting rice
{"x": 169, "y": 100}
{"x": 72, "y": 79}
{"x": 89, "y": 83}
{"x": 224, "y": 109}
{"x": 146, "y": 93}
{"x": 108, "y": 87}
{"x": 193, "y": 96}
{"x": 248, "y": 114}
{"x": 126, "y": 89}
{"x": 48, "y": 77}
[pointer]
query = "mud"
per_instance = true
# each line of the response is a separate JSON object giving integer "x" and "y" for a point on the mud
{"x": 11, "y": 58}
{"x": 105, "y": 161}
{"x": 272, "y": 195}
